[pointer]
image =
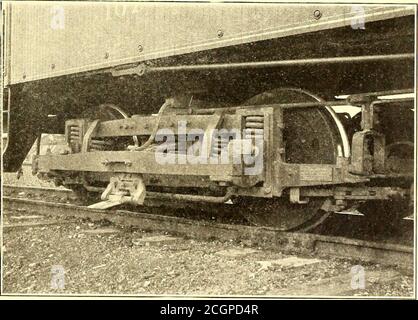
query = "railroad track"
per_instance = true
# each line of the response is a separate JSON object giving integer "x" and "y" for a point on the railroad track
{"x": 63, "y": 194}
{"x": 267, "y": 238}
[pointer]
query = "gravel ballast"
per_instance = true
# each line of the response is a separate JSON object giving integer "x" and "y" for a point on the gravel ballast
{"x": 104, "y": 259}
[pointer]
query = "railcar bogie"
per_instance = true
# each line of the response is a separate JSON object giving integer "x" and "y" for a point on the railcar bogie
{"x": 250, "y": 122}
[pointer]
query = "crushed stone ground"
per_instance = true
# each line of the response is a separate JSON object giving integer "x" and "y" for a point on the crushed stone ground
{"x": 104, "y": 259}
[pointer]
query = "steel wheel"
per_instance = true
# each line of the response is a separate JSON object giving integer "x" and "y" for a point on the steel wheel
{"x": 311, "y": 136}
{"x": 107, "y": 111}
{"x": 283, "y": 215}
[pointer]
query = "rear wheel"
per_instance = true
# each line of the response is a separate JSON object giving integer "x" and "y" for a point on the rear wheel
{"x": 312, "y": 135}
{"x": 281, "y": 214}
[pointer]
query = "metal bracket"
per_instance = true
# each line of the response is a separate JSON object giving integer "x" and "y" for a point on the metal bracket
{"x": 294, "y": 196}
{"x": 123, "y": 162}
{"x": 122, "y": 190}
{"x": 137, "y": 70}
{"x": 368, "y": 146}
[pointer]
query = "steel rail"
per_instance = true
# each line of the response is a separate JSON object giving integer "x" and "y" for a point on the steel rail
{"x": 267, "y": 238}
{"x": 9, "y": 189}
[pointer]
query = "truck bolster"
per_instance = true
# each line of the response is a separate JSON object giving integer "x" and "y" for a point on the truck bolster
{"x": 130, "y": 162}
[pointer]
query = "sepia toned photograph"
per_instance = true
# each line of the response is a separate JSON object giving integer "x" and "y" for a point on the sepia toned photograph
{"x": 187, "y": 150}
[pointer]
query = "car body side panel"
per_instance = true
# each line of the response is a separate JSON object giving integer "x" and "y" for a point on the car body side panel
{"x": 61, "y": 38}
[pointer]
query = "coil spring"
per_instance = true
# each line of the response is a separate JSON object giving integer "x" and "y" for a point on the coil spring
{"x": 75, "y": 134}
{"x": 254, "y": 127}
{"x": 99, "y": 145}
{"x": 254, "y": 130}
{"x": 220, "y": 143}
{"x": 74, "y": 137}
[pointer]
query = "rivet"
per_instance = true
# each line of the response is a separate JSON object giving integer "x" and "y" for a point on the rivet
{"x": 106, "y": 55}
{"x": 220, "y": 33}
{"x": 53, "y": 66}
{"x": 317, "y": 14}
{"x": 140, "y": 48}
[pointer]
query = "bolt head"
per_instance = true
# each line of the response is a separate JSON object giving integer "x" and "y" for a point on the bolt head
{"x": 317, "y": 14}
